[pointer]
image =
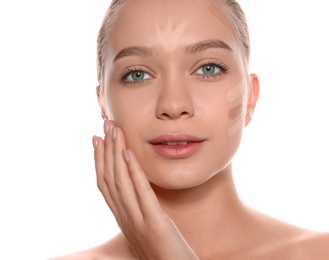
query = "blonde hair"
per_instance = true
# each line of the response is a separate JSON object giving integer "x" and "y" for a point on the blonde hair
{"x": 232, "y": 7}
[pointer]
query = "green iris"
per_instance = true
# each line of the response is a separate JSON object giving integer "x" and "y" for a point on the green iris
{"x": 209, "y": 69}
{"x": 137, "y": 75}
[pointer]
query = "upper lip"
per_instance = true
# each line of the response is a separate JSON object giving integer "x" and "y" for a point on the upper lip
{"x": 170, "y": 138}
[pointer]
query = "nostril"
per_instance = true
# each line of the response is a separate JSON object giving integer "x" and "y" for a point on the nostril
{"x": 183, "y": 114}
{"x": 174, "y": 107}
{"x": 164, "y": 115}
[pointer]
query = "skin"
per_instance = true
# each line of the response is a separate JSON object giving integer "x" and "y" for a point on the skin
{"x": 188, "y": 208}
{"x": 169, "y": 37}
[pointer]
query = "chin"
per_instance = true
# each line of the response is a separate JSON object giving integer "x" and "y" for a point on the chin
{"x": 179, "y": 178}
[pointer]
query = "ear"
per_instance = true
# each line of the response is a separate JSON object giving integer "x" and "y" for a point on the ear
{"x": 252, "y": 97}
{"x": 101, "y": 102}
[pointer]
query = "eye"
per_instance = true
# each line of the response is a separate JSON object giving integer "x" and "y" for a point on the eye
{"x": 136, "y": 76}
{"x": 209, "y": 69}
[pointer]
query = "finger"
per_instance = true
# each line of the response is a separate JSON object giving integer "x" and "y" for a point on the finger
{"x": 146, "y": 197}
{"x": 123, "y": 182}
{"x": 99, "y": 167}
{"x": 108, "y": 175}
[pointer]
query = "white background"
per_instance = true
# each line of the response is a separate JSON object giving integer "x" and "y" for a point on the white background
{"x": 49, "y": 201}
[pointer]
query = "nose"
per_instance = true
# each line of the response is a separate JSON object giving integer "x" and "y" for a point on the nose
{"x": 174, "y": 101}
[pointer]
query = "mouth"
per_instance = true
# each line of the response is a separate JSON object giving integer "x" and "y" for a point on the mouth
{"x": 174, "y": 143}
{"x": 176, "y": 146}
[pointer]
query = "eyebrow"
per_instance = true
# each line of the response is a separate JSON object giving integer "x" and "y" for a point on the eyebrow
{"x": 134, "y": 51}
{"x": 201, "y": 46}
{"x": 192, "y": 48}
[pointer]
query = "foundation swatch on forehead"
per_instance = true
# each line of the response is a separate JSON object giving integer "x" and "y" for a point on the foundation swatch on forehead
{"x": 169, "y": 35}
{"x": 217, "y": 13}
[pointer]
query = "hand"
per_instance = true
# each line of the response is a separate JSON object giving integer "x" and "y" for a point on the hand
{"x": 150, "y": 232}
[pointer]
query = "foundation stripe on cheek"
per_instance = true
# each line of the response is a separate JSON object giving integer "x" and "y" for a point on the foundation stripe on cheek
{"x": 234, "y": 93}
{"x": 235, "y": 111}
{"x": 234, "y": 129}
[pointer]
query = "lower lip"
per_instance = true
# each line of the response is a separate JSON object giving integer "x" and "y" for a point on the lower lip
{"x": 177, "y": 151}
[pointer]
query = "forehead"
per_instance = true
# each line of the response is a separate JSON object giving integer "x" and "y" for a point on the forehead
{"x": 153, "y": 22}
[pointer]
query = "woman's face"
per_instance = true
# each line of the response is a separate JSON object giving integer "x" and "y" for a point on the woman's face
{"x": 176, "y": 84}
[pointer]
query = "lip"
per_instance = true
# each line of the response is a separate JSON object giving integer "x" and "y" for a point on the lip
{"x": 176, "y": 146}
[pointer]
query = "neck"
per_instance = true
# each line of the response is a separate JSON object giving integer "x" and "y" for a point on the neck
{"x": 207, "y": 213}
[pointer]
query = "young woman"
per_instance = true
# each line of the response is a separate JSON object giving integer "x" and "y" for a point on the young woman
{"x": 176, "y": 93}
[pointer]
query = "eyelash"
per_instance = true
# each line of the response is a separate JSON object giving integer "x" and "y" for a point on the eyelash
{"x": 128, "y": 71}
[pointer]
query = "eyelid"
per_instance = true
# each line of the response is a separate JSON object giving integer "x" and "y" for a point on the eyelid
{"x": 130, "y": 69}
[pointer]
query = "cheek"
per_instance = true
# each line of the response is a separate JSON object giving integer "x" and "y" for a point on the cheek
{"x": 133, "y": 113}
{"x": 236, "y": 128}
{"x": 236, "y": 120}
{"x": 236, "y": 112}
{"x": 235, "y": 93}
{"x": 128, "y": 106}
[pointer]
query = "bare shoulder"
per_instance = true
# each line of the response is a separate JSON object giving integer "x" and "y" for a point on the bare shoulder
{"x": 315, "y": 246}
{"x": 275, "y": 239}
{"x": 303, "y": 244}
{"x": 116, "y": 248}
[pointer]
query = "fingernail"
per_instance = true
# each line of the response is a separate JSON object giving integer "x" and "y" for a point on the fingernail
{"x": 125, "y": 155}
{"x": 113, "y": 133}
{"x": 106, "y": 126}
{"x": 95, "y": 141}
